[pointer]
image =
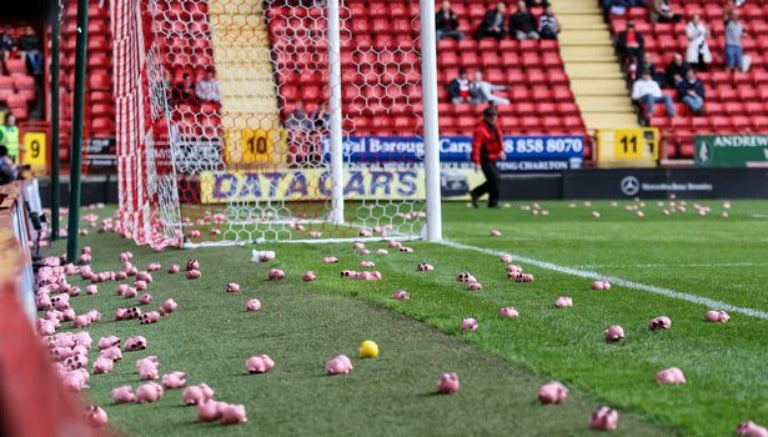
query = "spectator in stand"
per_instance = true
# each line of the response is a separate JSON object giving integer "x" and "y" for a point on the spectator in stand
{"x": 298, "y": 120}
{"x": 492, "y": 24}
{"x": 8, "y": 170}
{"x": 30, "y": 46}
{"x": 549, "y": 27}
{"x": 676, "y": 71}
{"x": 481, "y": 91}
{"x": 447, "y": 23}
{"x": 458, "y": 88}
{"x": 487, "y": 148}
{"x": 691, "y": 92}
{"x": 537, "y": 3}
{"x": 630, "y": 45}
{"x": 646, "y": 91}
{"x": 7, "y": 43}
{"x": 522, "y": 25}
{"x": 184, "y": 91}
{"x": 9, "y": 137}
{"x": 734, "y": 50}
{"x": 619, "y": 7}
{"x": 321, "y": 117}
{"x": 207, "y": 90}
{"x": 661, "y": 12}
{"x": 647, "y": 65}
{"x": 698, "y": 54}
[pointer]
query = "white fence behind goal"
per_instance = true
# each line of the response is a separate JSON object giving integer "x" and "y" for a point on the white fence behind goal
{"x": 292, "y": 150}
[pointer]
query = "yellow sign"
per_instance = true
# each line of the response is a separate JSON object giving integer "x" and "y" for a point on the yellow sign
{"x": 257, "y": 145}
{"x": 310, "y": 184}
{"x": 628, "y": 145}
{"x": 36, "y": 156}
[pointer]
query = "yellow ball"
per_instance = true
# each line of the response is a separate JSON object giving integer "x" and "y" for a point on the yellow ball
{"x": 369, "y": 349}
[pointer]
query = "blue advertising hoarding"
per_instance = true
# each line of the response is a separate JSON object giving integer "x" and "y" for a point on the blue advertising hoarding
{"x": 523, "y": 152}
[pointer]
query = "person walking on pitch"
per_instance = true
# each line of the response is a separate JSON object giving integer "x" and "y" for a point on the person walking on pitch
{"x": 487, "y": 148}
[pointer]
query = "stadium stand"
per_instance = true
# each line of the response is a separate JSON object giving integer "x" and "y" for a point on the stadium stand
{"x": 731, "y": 108}
{"x": 532, "y": 71}
{"x": 17, "y": 86}
{"x": 99, "y": 103}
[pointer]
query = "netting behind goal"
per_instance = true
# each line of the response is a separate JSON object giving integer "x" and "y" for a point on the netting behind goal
{"x": 225, "y": 120}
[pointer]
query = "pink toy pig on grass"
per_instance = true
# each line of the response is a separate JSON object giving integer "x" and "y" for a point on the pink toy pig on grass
{"x": 469, "y": 324}
{"x": 401, "y": 295}
{"x": 717, "y": 316}
{"x": 308, "y": 276}
{"x": 259, "y": 364}
{"x": 614, "y": 333}
{"x": 275, "y": 274}
{"x": 253, "y": 305}
{"x": 123, "y": 394}
{"x": 174, "y": 380}
{"x": 448, "y": 383}
{"x": 96, "y": 416}
{"x": 233, "y": 414}
{"x": 232, "y": 287}
{"x": 339, "y": 365}
{"x": 563, "y": 302}
{"x": 208, "y": 411}
{"x": 673, "y": 376}
{"x": 509, "y": 312}
{"x": 474, "y": 286}
{"x": 604, "y": 419}
{"x": 552, "y": 393}
{"x": 661, "y": 322}
{"x": 751, "y": 429}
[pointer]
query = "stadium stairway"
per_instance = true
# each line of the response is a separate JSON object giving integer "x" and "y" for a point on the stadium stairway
{"x": 596, "y": 80}
{"x": 248, "y": 91}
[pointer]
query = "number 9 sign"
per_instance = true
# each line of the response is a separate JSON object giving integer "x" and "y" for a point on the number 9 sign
{"x": 35, "y": 156}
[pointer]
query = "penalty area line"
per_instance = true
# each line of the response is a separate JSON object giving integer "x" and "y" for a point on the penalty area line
{"x": 672, "y": 294}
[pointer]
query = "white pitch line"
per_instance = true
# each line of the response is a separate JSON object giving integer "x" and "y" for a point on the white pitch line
{"x": 653, "y": 266}
{"x": 709, "y": 303}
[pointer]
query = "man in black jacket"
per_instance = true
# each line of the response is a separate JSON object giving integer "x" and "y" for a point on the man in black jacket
{"x": 691, "y": 92}
{"x": 522, "y": 25}
{"x": 630, "y": 45}
{"x": 676, "y": 71}
{"x": 447, "y": 23}
{"x": 492, "y": 24}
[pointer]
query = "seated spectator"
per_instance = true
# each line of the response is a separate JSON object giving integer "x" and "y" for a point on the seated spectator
{"x": 691, "y": 92}
{"x": 549, "y": 27}
{"x": 184, "y": 91}
{"x": 522, "y": 25}
{"x": 734, "y": 50}
{"x": 698, "y": 54}
{"x": 630, "y": 45}
{"x": 8, "y": 171}
{"x": 207, "y": 90}
{"x": 481, "y": 91}
{"x": 447, "y": 23}
{"x": 619, "y": 7}
{"x": 676, "y": 71}
{"x": 7, "y": 43}
{"x": 661, "y": 12}
{"x": 492, "y": 24}
{"x": 646, "y": 91}
{"x": 647, "y": 65}
{"x": 458, "y": 88}
{"x": 30, "y": 46}
{"x": 298, "y": 120}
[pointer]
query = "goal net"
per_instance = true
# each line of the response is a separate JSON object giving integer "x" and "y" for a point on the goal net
{"x": 247, "y": 121}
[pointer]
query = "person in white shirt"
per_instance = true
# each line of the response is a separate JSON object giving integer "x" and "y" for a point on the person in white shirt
{"x": 481, "y": 91}
{"x": 647, "y": 91}
{"x": 207, "y": 90}
{"x": 698, "y": 54}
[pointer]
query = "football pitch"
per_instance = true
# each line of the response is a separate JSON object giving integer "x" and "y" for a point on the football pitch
{"x": 678, "y": 265}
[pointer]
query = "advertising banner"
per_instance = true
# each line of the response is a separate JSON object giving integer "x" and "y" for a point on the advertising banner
{"x": 731, "y": 151}
{"x": 310, "y": 184}
{"x": 101, "y": 152}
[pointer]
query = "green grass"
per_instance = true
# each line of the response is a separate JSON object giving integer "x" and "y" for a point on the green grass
{"x": 500, "y": 365}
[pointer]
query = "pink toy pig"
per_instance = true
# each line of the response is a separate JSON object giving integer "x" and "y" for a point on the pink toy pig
{"x": 330, "y": 260}
{"x": 614, "y": 333}
{"x": 145, "y": 299}
{"x": 424, "y": 267}
{"x": 474, "y": 286}
{"x": 168, "y": 307}
{"x": 102, "y": 365}
{"x": 130, "y": 293}
{"x": 233, "y": 414}
{"x": 253, "y": 305}
{"x": 604, "y": 418}
{"x": 260, "y": 364}
{"x": 123, "y": 394}
{"x": 193, "y": 264}
{"x": 673, "y": 375}
{"x": 112, "y": 353}
{"x": 82, "y": 321}
{"x": 469, "y": 324}
{"x": 148, "y": 393}
{"x": 193, "y": 395}
{"x": 232, "y": 287}
{"x": 552, "y": 393}
{"x": 275, "y": 274}
{"x": 495, "y": 233}
{"x": 563, "y": 302}
{"x": 401, "y": 295}
{"x": 152, "y": 267}
{"x": 208, "y": 411}
{"x": 105, "y": 342}
{"x": 751, "y": 429}
{"x": 193, "y": 274}
{"x": 150, "y": 317}
{"x": 96, "y": 416}
{"x": 173, "y": 269}
{"x": 90, "y": 290}
{"x": 448, "y": 383}
{"x": 510, "y": 312}
{"x": 717, "y": 316}
{"x": 308, "y": 276}
{"x": 339, "y": 365}
{"x": 174, "y": 380}
{"x": 140, "y": 285}
{"x": 505, "y": 258}
{"x": 121, "y": 289}
{"x": 661, "y": 322}
{"x": 136, "y": 343}
{"x": 600, "y": 285}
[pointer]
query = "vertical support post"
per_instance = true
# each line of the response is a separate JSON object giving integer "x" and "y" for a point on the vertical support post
{"x": 55, "y": 59}
{"x": 431, "y": 133}
{"x": 335, "y": 146}
{"x": 78, "y": 107}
